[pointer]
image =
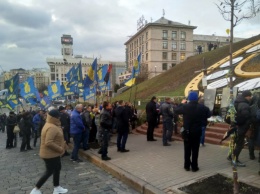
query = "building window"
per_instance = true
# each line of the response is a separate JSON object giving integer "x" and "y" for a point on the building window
{"x": 146, "y": 35}
{"x": 165, "y": 44}
{"x": 183, "y": 35}
{"x": 142, "y": 58}
{"x": 164, "y": 55}
{"x": 173, "y": 65}
{"x": 164, "y": 66}
{"x": 147, "y": 46}
{"x": 146, "y": 57}
{"x": 174, "y": 35}
{"x": 183, "y": 46}
{"x": 174, "y": 45}
{"x": 140, "y": 41}
{"x": 143, "y": 39}
{"x": 165, "y": 34}
{"x": 174, "y": 56}
{"x": 137, "y": 42}
{"x": 182, "y": 56}
{"x": 142, "y": 48}
{"x": 52, "y": 68}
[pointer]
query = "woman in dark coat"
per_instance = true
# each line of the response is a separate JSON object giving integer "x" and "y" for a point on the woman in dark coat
{"x": 10, "y": 124}
{"x": 26, "y": 127}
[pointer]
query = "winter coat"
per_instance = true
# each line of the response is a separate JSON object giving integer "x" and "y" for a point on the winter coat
{"x": 166, "y": 110}
{"x": 105, "y": 120}
{"x": 192, "y": 117}
{"x": 206, "y": 115}
{"x": 76, "y": 123}
{"x": 122, "y": 119}
{"x": 37, "y": 122}
{"x": 11, "y": 122}
{"x": 87, "y": 120}
{"x": 65, "y": 121}
{"x": 151, "y": 112}
{"x": 26, "y": 125}
{"x": 52, "y": 140}
{"x": 243, "y": 115}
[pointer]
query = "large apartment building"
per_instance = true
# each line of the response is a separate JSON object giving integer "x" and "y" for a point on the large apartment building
{"x": 163, "y": 44}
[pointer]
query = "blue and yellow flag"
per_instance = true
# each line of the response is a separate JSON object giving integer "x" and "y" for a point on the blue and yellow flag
{"x": 135, "y": 71}
{"x": 12, "y": 85}
{"x": 101, "y": 74}
{"x": 89, "y": 92}
{"x": 27, "y": 88}
{"x": 45, "y": 103}
{"x": 91, "y": 76}
{"x": 78, "y": 73}
{"x": 11, "y": 104}
{"x": 54, "y": 90}
{"x": 70, "y": 75}
{"x": 67, "y": 89}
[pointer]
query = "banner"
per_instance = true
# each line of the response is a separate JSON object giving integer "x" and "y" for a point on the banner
{"x": 27, "y": 88}
{"x": 91, "y": 76}
{"x": 67, "y": 89}
{"x": 54, "y": 90}
{"x": 101, "y": 74}
{"x": 89, "y": 92}
{"x": 12, "y": 85}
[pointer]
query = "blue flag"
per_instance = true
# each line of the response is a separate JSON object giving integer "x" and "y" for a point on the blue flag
{"x": 27, "y": 88}
{"x": 13, "y": 86}
{"x": 11, "y": 104}
{"x": 103, "y": 84}
{"x": 135, "y": 71}
{"x": 91, "y": 76}
{"x": 70, "y": 75}
{"x": 89, "y": 92}
{"x": 54, "y": 90}
{"x": 67, "y": 89}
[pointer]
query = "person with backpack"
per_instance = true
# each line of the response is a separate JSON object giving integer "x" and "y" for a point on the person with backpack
{"x": 243, "y": 121}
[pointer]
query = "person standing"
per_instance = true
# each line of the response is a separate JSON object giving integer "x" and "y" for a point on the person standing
{"x": 10, "y": 124}
{"x": 206, "y": 115}
{"x": 51, "y": 149}
{"x": 106, "y": 126}
{"x": 192, "y": 122}
{"x": 37, "y": 125}
{"x": 151, "y": 116}
{"x": 87, "y": 121}
{"x": 243, "y": 121}
{"x": 26, "y": 128}
{"x": 76, "y": 129}
{"x": 122, "y": 126}
{"x": 166, "y": 110}
{"x": 65, "y": 125}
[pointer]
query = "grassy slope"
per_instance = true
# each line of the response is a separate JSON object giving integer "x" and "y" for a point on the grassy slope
{"x": 174, "y": 81}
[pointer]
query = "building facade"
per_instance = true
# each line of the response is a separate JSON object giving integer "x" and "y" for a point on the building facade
{"x": 23, "y": 74}
{"x": 60, "y": 66}
{"x": 205, "y": 40}
{"x": 41, "y": 77}
{"x": 163, "y": 44}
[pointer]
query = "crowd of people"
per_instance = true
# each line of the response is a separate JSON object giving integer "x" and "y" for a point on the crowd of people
{"x": 58, "y": 126}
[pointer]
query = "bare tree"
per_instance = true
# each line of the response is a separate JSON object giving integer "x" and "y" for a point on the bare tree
{"x": 235, "y": 11}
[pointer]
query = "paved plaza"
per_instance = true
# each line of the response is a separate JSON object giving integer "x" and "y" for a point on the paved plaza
{"x": 19, "y": 172}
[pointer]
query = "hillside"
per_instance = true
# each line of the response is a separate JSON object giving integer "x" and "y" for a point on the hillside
{"x": 174, "y": 81}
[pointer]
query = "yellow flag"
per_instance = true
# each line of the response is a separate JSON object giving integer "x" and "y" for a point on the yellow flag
{"x": 27, "y": 87}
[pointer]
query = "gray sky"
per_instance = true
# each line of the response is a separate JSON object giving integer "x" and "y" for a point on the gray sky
{"x": 31, "y": 29}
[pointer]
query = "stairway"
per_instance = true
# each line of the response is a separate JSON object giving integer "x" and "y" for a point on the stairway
{"x": 214, "y": 133}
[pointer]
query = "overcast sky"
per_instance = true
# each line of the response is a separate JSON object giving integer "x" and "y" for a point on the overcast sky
{"x": 30, "y": 30}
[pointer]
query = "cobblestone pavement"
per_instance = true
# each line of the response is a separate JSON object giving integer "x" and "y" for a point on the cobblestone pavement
{"x": 19, "y": 172}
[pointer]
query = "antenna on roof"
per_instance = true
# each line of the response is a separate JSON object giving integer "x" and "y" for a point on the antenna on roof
{"x": 163, "y": 14}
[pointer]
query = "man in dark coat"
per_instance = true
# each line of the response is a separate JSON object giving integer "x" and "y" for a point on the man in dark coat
{"x": 243, "y": 121}
{"x": 151, "y": 115}
{"x": 26, "y": 126}
{"x": 122, "y": 126}
{"x": 10, "y": 124}
{"x": 192, "y": 123}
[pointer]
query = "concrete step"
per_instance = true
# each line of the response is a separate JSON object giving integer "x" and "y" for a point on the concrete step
{"x": 217, "y": 130}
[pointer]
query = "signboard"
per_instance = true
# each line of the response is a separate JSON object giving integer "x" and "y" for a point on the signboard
{"x": 209, "y": 98}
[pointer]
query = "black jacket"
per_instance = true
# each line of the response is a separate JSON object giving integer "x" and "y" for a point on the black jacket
{"x": 243, "y": 115}
{"x": 105, "y": 120}
{"x": 192, "y": 117}
{"x": 65, "y": 121}
{"x": 11, "y": 121}
{"x": 26, "y": 125}
{"x": 205, "y": 116}
{"x": 122, "y": 119}
{"x": 151, "y": 112}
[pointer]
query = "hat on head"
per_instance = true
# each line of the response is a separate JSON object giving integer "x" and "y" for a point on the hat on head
{"x": 193, "y": 96}
{"x": 54, "y": 113}
{"x": 61, "y": 108}
{"x": 11, "y": 113}
{"x": 246, "y": 93}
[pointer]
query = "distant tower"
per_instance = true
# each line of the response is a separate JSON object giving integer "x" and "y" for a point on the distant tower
{"x": 66, "y": 46}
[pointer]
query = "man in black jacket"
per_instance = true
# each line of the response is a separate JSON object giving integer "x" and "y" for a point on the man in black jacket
{"x": 151, "y": 115}
{"x": 192, "y": 123}
{"x": 10, "y": 124}
{"x": 243, "y": 121}
{"x": 122, "y": 126}
{"x": 106, "y": 126}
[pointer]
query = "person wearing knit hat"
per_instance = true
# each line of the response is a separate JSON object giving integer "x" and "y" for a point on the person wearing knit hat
{"x": 193, "y": 114}
{"x": 51, "y": 149}
{"x": 193, "y": 96}
{"x": 243, "y": 122}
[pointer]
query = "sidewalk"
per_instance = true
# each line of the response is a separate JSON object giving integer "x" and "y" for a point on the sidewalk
{"x": 150, "y": 167}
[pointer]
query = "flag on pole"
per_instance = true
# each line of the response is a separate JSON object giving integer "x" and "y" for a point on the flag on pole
{"x": 70, "y": 75}
{"x": 27, "y": 88}
{"x": 13, "y": 86}
{"x": 106, "y": 78}
{"x": 54, "y": 90}
{"x": 135, "y": 71}
{"x": 92, "y": 74}
{"x": 67, "y": 89}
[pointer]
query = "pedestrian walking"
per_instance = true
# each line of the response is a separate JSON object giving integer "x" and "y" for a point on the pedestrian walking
{"x": 51, "y": 149}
